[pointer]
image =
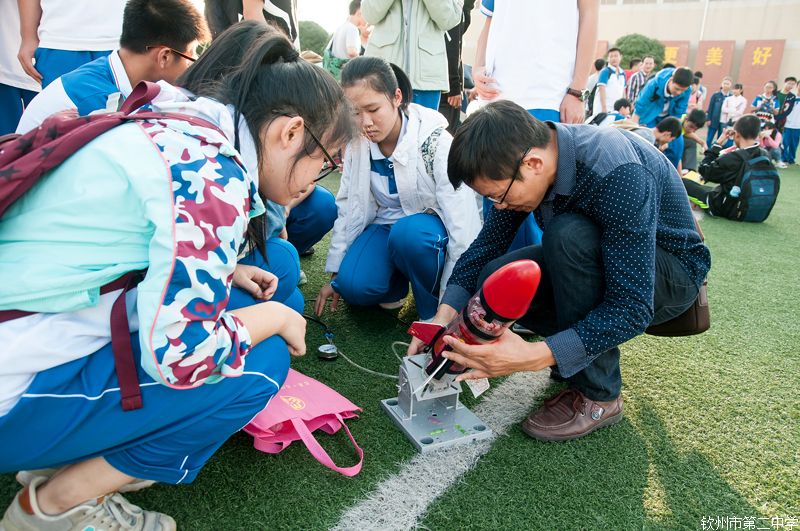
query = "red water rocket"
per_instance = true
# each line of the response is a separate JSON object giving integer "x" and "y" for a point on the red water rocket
{"x": 505, "y": 296}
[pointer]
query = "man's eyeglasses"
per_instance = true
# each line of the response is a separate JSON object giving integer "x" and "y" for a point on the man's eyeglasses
{"x": 176, "y": 52}
{"x": 514, "y": 178}
{"x": 330, "y": 165}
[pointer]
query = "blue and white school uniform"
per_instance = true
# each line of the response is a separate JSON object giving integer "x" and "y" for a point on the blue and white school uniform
{"x": 400, "y": 220}
{"x": 174, "y": 199}
{"x": 614, "y": 82}
{"x": 88, "y": 88}
{"x": 75, "y": 32}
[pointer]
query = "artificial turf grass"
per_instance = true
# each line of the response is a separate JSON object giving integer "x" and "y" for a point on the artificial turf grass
{"x": 711, "y": 421}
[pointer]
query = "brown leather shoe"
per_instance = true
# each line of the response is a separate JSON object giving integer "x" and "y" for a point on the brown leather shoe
{"x": 569, "y": 415}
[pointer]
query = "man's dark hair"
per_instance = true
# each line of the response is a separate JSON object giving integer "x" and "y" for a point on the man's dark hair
{"x": 698, "y": 74}
{"x": 355, "y": 5}
{"x": 599, "y": 64}
{"x": 633, "y": 63}
{"x": 790, "y": 78}
{"x": 668, "y": 65}
{"x": 697, "y": 117}
{"x": 683, "y": 76}
{"x": 615, "y": 49}
{"x": 171, "y": 23}
{"x": 491, "y": 142}
{"x": 670, "y": 124}
{"x": 379, "y": 75}
{"x": 620, "y": 103}
{"x": 748, "y": 126}
{"x": 648, "y": 57}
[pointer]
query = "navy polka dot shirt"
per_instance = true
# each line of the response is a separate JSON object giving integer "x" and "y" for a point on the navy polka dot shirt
{"x": 636, "y": 197}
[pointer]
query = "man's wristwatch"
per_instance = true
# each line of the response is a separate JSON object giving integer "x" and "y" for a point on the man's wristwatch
{"x": 580, "y": 94}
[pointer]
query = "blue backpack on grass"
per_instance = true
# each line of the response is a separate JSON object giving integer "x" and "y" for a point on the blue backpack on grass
{"x": 756, "y": 191}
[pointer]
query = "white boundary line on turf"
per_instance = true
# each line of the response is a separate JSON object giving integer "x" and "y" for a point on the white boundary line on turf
{"x": 400, "y": 501}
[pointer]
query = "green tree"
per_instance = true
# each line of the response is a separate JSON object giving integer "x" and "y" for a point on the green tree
{"x": 314, "y": 37}
{"x": 636, "y": 45}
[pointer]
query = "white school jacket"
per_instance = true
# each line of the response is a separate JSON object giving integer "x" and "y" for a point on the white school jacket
{"x": 418, "y": 192}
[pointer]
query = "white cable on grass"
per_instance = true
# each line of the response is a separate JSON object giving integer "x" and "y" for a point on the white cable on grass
{"x": 370, "y": 371}
{"x": 394, "y": 349}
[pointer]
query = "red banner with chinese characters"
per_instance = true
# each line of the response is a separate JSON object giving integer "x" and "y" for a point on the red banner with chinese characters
{"x": 676, "y": 52}
{"x": 714, "y": 59}
{"x": 761, "y": 61}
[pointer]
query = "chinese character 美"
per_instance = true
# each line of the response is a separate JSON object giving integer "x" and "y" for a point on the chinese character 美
{"x": 714, "y": 56}
{"x": 671, "y": 54}
{"x": 760, "y": 55}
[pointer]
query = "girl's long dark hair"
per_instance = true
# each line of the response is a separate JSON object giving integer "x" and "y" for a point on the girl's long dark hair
{"x": 269, "y": 81}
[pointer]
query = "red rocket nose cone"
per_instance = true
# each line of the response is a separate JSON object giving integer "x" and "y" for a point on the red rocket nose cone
{"x": 509, "y": 291}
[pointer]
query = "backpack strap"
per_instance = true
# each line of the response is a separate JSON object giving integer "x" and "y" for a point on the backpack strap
{"x": 144, "y": 93}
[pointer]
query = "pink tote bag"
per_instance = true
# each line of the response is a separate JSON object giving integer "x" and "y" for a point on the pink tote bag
{"x": 302, "y": 406}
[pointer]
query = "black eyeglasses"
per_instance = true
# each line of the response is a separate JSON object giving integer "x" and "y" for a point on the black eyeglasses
{"x": 513, "y": 178}
{"x": 176, "y": 52}
{"x": 330, "y": 165}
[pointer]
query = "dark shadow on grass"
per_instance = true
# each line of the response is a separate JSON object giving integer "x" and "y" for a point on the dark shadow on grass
{"x": 692, "y": 486}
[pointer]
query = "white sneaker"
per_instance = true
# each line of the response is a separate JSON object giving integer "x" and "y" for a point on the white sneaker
{"x": 25, "y": 477}
{"x": 782, "y": 165}
{"x": 303, "y": 279}
{"x": 393, "y": 305}
{"x": 109, "y": 513}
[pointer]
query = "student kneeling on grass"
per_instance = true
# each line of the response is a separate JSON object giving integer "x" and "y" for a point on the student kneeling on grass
{"x": 173, "y": 198}
{"x": 620, "y": 252}
{"x": 400, "y": 220}
{"x": 725, "y": 166}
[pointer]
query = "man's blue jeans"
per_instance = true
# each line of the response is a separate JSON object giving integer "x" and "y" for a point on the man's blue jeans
{"x": 573, "y": 284}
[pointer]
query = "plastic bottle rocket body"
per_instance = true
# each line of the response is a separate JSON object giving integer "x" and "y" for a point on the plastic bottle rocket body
{"x": 504, "y": 297}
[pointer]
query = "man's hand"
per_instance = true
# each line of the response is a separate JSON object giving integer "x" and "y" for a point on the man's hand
{"x": 482, "y": 82}
{"x": 326, "y": 293}
{"x": 444, "y": 315}
{"x": 25, "y": 57}
{"x": 572, "y": 111}
{"x": 509, "y": 354}
{"x": 454, "y": 101}
{"x": 257, "y": 282}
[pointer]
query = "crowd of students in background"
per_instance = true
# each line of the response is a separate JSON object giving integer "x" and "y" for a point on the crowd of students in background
{"x": 611, "y": 88}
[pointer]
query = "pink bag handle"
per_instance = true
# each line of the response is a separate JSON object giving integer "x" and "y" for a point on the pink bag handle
{"x": 319, "y": 452}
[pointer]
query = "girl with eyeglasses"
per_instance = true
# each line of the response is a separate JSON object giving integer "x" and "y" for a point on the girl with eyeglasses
{"x": 172, "y": 198}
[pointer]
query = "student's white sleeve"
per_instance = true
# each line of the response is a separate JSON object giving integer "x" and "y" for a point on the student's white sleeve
{"x": 49, "y": 101}
{"x": 459, "y": 210}
{"x": 338, "y": 245}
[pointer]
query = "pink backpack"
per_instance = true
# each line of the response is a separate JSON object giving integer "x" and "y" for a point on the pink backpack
{"x": 304, "y": 405}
